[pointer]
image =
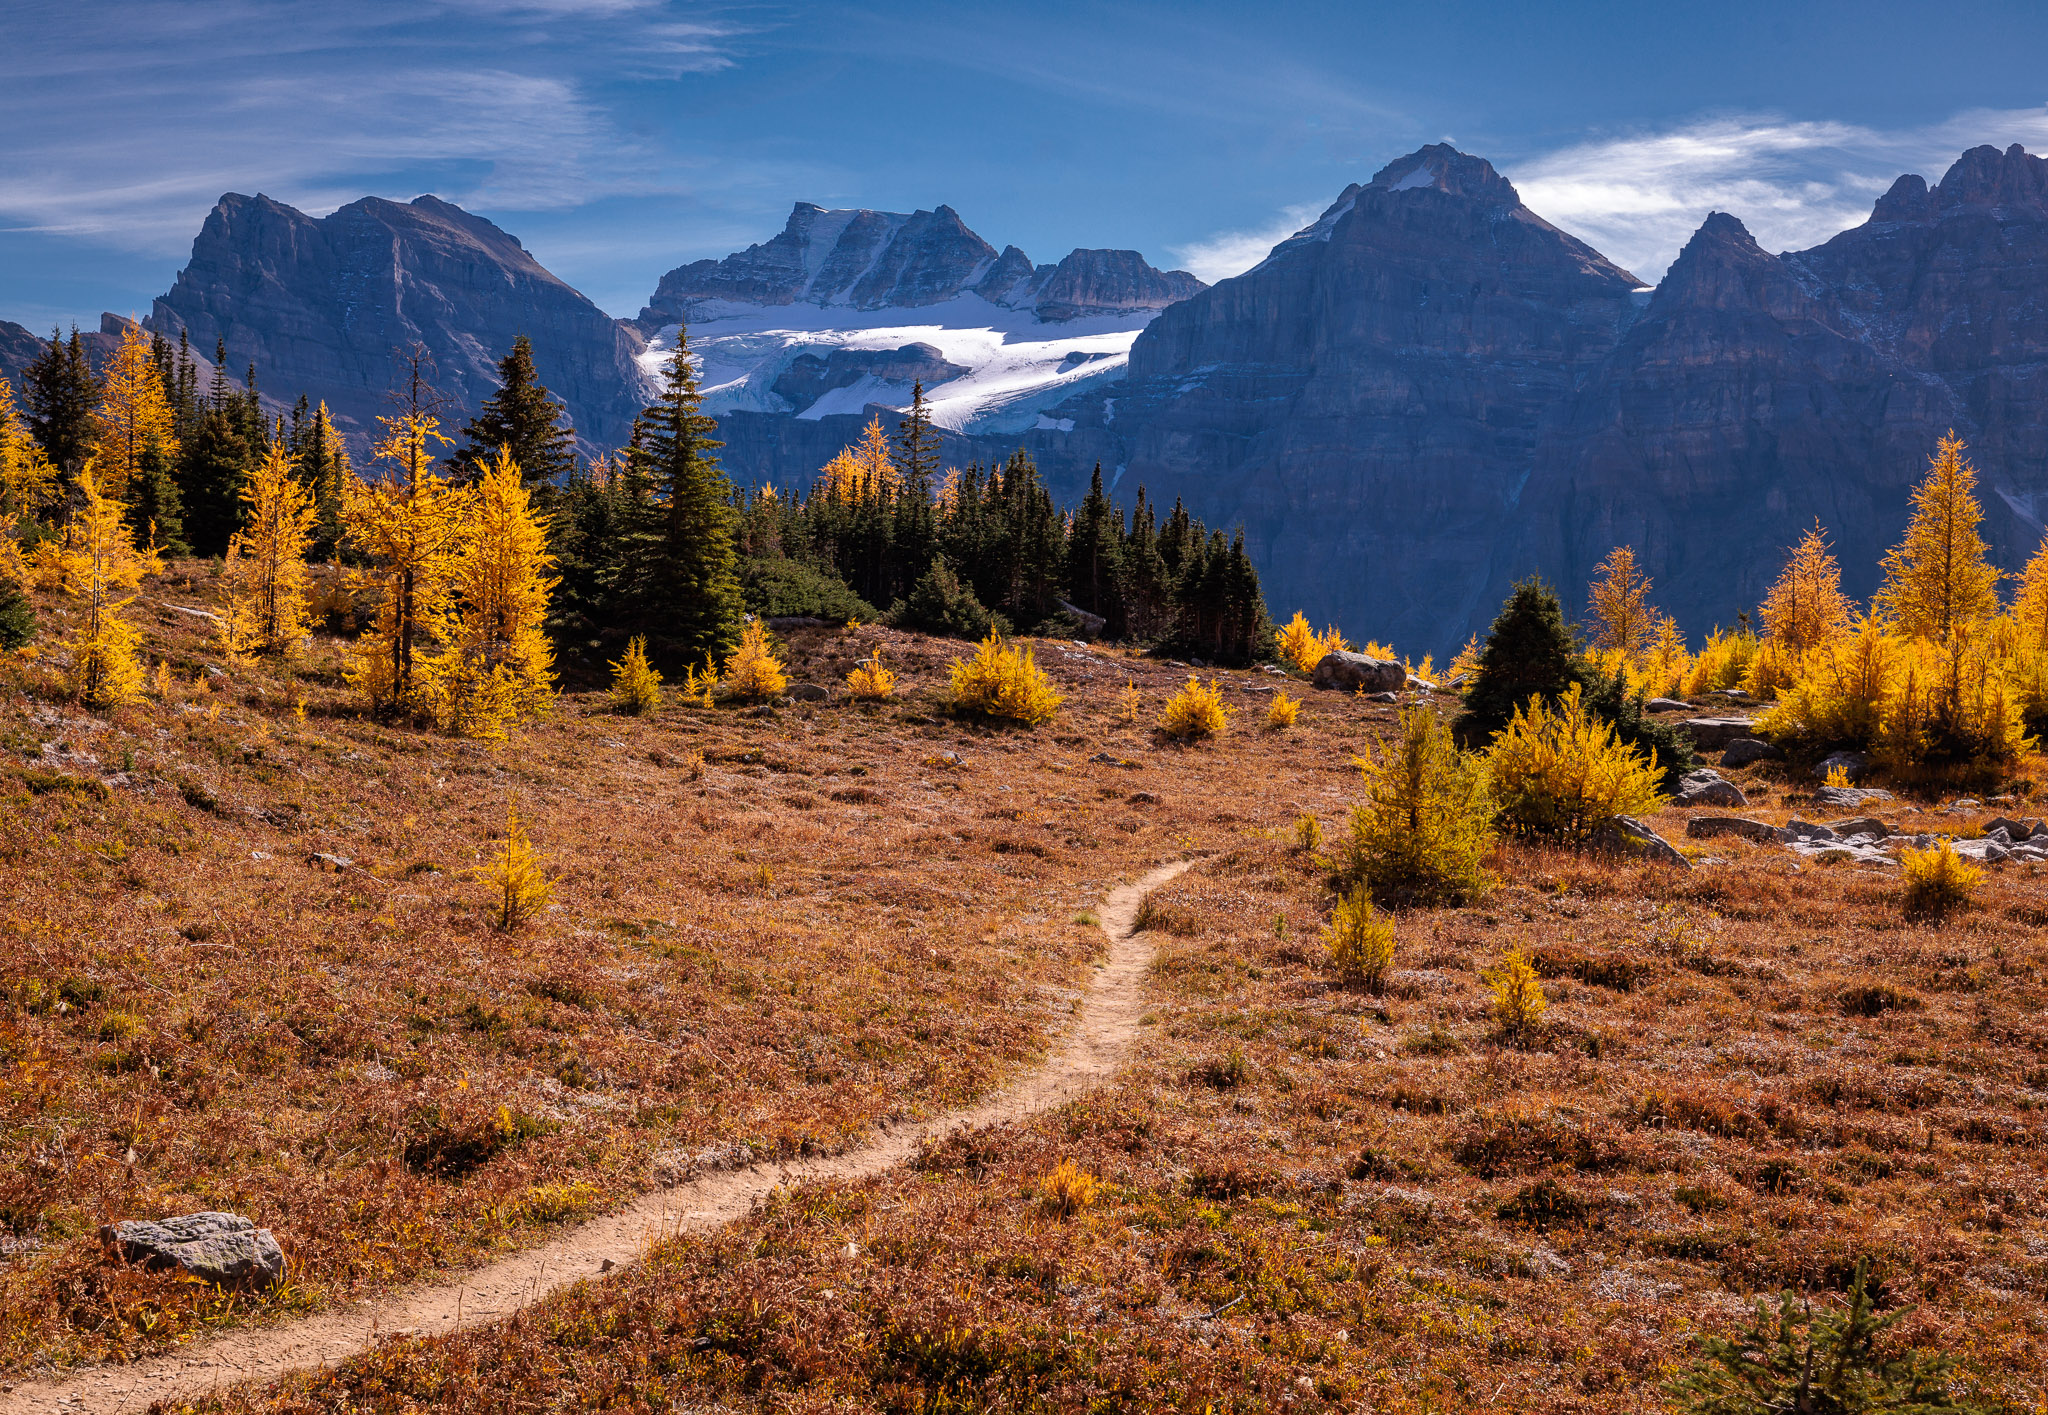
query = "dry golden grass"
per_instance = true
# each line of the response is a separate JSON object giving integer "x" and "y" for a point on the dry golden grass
{"x": 1308, "y": 1196}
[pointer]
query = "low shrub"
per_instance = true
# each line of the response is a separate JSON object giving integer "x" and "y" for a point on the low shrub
{"x": 1422, "y": 833}
{"x": 1544, "y": 1205}
{"x": 1360, "y": 941}
{"x": 871, "y": 680}
{"x": 1195, "y": 712}
{"x": 636, "y": 686}
{"x": 1002, "y": 681}
{"x": 754, "y": 671}
{"x": 1284, "y": 712}
{"x": 1938, "y": 881}
{"x": 1561, "y": 773}
{"x": 1518, "y": 1001}
{"x": 1067, "y": 1189}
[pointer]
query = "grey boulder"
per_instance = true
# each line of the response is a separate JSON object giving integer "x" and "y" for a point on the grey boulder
{"x": 1704, "y": 788}
{"x": 1853, "y": 764}
{"x": 1667, "y": 705}
{"x": 1747, "y": 751}
{"x": 1711, "y": 734}
{"x": 1625, "y": 835}
{"x": 1355, "y": 673}
{"x": 1712, "y": 827}
{"x": 1847, "y": 798}
{"x": 808, "y": 693}
{"x": 226, "y": 1250}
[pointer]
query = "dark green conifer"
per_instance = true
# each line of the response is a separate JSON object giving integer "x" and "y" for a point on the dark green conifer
{"x": 1528, "y": 653}
{"x": 523, "y": 417}
{"x": 1095, "y": 558}
{"x": 154, "y": 507}
{"x": 60, "y": 391}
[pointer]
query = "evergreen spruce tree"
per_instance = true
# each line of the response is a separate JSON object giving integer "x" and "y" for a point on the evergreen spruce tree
{"x": 1095, "y": 558}
{"x": 940, "y": 604}
{"x": 320, "y": 464}
{"x": 156, "y": 513}
{"x": 1610, "y": 698}
{"x": 524, "y": 419}
{"x": 1528, "y": 653}
{"x": 675, "y": 578}
{"x": 212, "y": 470}
{"x": 914, "y": 538}
{"x": 1146, "y": 582}
{"x": 17, "y": 616}
{"x": 61, "y": 391}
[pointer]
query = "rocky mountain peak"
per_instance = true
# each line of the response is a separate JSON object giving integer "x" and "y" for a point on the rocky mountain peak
{"x": 1907, "y": 200}
{"x": 1441, "y": 167}
{"x": 1984, "y": 176}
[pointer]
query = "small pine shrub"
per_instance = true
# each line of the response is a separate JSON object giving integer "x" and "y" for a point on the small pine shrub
{"x": 1518, "y": 1001}
{"x": 1938, "y": 881}
{"x": 1561, "y": 773}
{"x": 1838, "y": 777}
{"x": 520, "y": 889}
{"x": 1724, "y": 662}
{"x": 754, "y": 671}
{"x": 1308, "y": 834}
{"x": 1195, "y": 712}
{"x": 1423, "y": 830}
{"x": 1130, "y": 703}
{"x": 17, "y": 616}
{"x": 872, "y": 680}
{"x": 1067, "y": 1189}
{"x": 1612, "y": 700}
{"x": 636, "y": 686}
{"x": 1299, "y": 646}
{"x": 698, "y": 683}
{"x": 1002, "y": 681}
{"x": 1284, "y": 712}
{"x": 1800, "y": 1358}
{"x": 1360, "y": 941}
{"x": 940, "y": 604}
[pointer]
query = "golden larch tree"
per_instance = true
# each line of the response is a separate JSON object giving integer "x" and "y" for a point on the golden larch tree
{"x": 1938, "y": 579}
{"x": 2030, "y": 605}
{"x": 97, "y": 562}
{"x": 1806, "y": 607}
{"x": 134, "y": 415}
{"x": 865, "y": 470}
{"x": 28, "y": 483}
{"x": 500, "y": 664}
{"x": 265, "y": 609}
{"x": 410, "y": 526}
{"x": 1623, "y": 620}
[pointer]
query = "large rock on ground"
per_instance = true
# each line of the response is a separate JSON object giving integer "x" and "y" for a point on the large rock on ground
{"x": 1705, "y": 788}
{"x": 1747, "y": 751}
{"x": 1625, "y": 835}
{"x": 226, "y": 1250}
{"x": 1355, "y": 673}
{"x": 1847, "y": 798}
{"x": 1713, "y": 827}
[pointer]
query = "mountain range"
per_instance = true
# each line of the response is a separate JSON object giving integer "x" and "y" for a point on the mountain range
{"x": 1417, "y": 399}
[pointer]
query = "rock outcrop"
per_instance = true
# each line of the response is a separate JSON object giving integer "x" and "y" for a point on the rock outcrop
{"x": 876, "y": 260}
{"x": 226, "y": 1250}
{"x": 321, "y": 304}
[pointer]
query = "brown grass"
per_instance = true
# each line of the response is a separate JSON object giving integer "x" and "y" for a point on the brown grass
{"x": 1309, "y": 1197}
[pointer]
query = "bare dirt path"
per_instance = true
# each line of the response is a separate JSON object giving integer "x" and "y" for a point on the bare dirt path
{"x": 1087, "y": 1056}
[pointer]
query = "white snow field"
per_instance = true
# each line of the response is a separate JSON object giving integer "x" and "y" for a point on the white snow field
{"x": 1018, "y": 365}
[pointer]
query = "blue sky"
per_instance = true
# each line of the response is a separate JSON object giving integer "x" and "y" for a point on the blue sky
{"x": 618, "y": 138}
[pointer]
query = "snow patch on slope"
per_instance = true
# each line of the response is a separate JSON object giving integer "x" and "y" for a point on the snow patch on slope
{"x": 1018, "y": 366}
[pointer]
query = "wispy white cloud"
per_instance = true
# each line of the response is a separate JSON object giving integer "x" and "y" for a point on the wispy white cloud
{"x": 1229, "y": 253}
{"x": 1637, "y": 197}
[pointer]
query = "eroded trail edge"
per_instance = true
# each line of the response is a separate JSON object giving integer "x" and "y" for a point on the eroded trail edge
{"x": 1087, "y": 1055}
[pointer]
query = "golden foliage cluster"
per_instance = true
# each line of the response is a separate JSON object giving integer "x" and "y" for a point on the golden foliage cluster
{"x": 1425, "y": 826}
{"x": 1195, "y": 712}
{"x": 753, "y": 671}
{"x": 871, "y": 680}
{"x": 1938, "y": 880}
{"x": 636, "y": 684}
{"x": 1561, "y": 773}
{"x": 1360, "y": 940}
{"x": 1003, "y": 681}
{"x": 1283, "y": 711}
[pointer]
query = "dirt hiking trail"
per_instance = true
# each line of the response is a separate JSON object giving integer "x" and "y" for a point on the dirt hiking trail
{"x": 1087, "y": 1056}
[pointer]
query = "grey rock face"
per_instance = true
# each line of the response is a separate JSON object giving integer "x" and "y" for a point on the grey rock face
{"x": 1713, "y": 827}
{"x": 1852, "y": 764}
{"x": 1747, "y": 751}
{"x": 873, "y": 260}
{"x": 1847, "y": 798}
{"x": 318, "y": 304}
{"x": 1625, "y": 835}
{"x": 1711, "y": 734}
{"x": 808, "y": 377}
{"x": 1355, "y": 673}
{"x": 1705, "y": 788}
{"x": 227, "y": 1250}
{"x": 1667, "y": 705}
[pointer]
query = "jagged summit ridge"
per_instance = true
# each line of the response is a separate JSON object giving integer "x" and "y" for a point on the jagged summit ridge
{"x": 876, "y": 260}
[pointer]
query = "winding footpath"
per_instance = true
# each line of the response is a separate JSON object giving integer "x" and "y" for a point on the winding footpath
{"x": 1089, "y": 1055}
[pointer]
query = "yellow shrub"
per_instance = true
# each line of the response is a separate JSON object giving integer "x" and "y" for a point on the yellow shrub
{"x": 1839, "y": 688}
{"x": 1938, "y": 880}
{"x": 1284, "y": 711}
{"x": 1837, "y": 777}
{"x": 1067, "y": 1189}
{"x": 1722, "y": 663}
{"x": 1195, "y": 712}
{"x": 1129, "y": 703}
{"x": 1465, "y": 664}
{"x": 1003, "y": 681}
{"x": 1308, "y": 834}
{"x": 1562, "y": 773}
{"x": 1950, "y": 716}
{"x": 515, "y": 877}
{"x": 872, "y": 679}
{"x": 1360, "y": 941}
{"x": 753, "y": 671}
{"x": 1518, "y": 1001}
{"x": 1425, "y": 825}
{"x": 698, "y": 683}
{"x": 1298, "y": 645}
{"x": 636, "y": 686}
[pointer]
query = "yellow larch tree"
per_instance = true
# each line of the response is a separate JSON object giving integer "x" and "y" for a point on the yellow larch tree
{"x": 410, "y": 526}
{"x": 1938, "y": 579}
{"x": 1806, "y": 607}
{"x": 2030, "y": 605}
{"x": 264, "y": 579}
{"x": 1623, "y": 621}
{"x": 98, "y": 561}
{"x": 865, "y": 470}
{"x": 499, "y": 665}
{"x": 28, "y": 483}
{"x": 134, "y": 415}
